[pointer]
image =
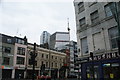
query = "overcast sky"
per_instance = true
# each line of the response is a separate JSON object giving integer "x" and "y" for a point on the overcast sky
{"x": 31, "y": 17}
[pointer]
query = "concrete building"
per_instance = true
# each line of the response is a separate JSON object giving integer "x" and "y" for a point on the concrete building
{"x": 72, "y": 56}
{"x": 58, "y": 40}
{"x": 13, "y": 56}
{"x": 53, "y": 61}
{"x": 97, "y": 33}
{"x": 45, "y": 39}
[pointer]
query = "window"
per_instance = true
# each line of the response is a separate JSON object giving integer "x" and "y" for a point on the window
{"x": 55, "y": 64}
{"x": 108, "y": 9}
{"x": 42, "y": 55}
{"x": 52, "y": 57}
{"x": 94, "y": 17}
{"x": 46, "y": 64}
{"x": 6, "y": 60}
{"x": 82, "y": 22}
{"x": 52, "y": 64}
{"x": 84, "y": 45}
{"x": 81, "y": 7}
{"x": 60, "y": 64}
{"x": 20, "y": 60}
{"x": 92, "y": 3}
{"x": 56, "y": 57}
{"x": 20, "y": 41}
{"x": 9, "y": 41}
{"x": 21, "y": 51}
{"x": 113, "y": 36}
{"x": 7, "y": 49}
{"x": 46, "y": 56}
{"x": 98, "y": 41}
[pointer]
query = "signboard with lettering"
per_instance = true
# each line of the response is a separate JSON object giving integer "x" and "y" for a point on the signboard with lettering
{"x": 106, "y": 56}
{"x": 100, "y": 57}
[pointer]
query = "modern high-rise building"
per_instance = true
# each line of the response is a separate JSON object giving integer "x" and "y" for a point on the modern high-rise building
{"x": 58, "y": 40}
{"x": 97, "y": 35}
{"x": 45, "y": 39}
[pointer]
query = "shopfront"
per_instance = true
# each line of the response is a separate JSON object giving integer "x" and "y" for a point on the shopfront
{"x": 103, "y": 67}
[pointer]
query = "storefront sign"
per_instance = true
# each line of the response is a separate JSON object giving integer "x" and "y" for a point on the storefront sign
{"x": 106, "y": 56}
{"x": 99, "y": 57}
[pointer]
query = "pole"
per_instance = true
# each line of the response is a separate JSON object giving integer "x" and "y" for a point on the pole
{"x": 91, "y": 55}
{"x": 34, "y": 52}
{"x": 49, "y": 61}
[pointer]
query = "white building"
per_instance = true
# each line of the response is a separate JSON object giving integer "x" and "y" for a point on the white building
{"x": 58, "y": 40}
{"x": 97, "y": 32}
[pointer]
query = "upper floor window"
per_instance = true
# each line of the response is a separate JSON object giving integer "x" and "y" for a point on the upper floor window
{"x": 6, "y": 60}
{"x": 56, "y": 57}
{"x": 81, "y": 7}
{"x": 9, "y": 41}
{"x": 20, "y": 41}
{"x": 98, "y": 41}
{"x": 7, "y": 49}
{"x": 55, "y": 64}
{"x": 46, "y": 64}
{"x": 21, "y": 51}
{"x": 47, "y": 56}
{"x": 92, "y": 3}
{"x": 82, "y": 22}
{"x": 94, "y": 17}
{"x": 52, "y": 57}
{"x": 108, "y": 9}
{"x": 84, "y": 45}
{"x": 20, "y": 60}
{"x": 52, "y": 65}
{"x": 113, "y": 36}
{"x": 42, "y": 55}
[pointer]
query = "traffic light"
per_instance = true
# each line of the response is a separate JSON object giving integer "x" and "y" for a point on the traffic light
{"x": 91, "y": 55}
{"x": 32, "y": 59}
{"x": 43, "y": 67}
